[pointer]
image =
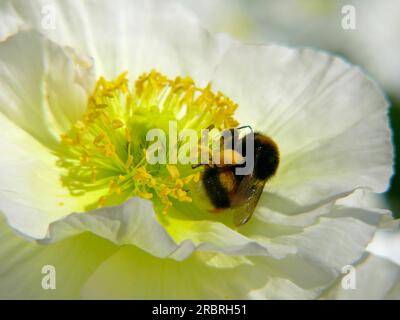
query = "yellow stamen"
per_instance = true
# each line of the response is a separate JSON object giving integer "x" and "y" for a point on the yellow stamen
{"x": 99, "y": 138}
{"x": 93, "y": 175}
{"x": 146, "y": 195}
{"x": 102, "y": 201}
{"x": 117, "y": 124}
{"x": 173, "y": 171}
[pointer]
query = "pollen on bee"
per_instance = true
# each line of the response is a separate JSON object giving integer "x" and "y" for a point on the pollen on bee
{"x": 228, "y": 156}
{"x": 227, "y": 180}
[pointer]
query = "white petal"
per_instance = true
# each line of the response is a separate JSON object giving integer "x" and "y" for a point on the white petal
{"x": 372, "y": 43}
{"x": 328, "y": 119}
{"x": 10, "y": 22}
{"x": 332, "y": 243}
{"x": 31, "y": 194}
{"x": 41, "y": 87}
{"x": 323, "y": 251}
{"x": 313, "y": 236}
{"x": 217, "y": 237}
{"x": 375, "y": 278}
{"x": 42, "y": 92}
{"x": 136, "y": 36}
{"x": 22, "y": 263}
{"x": 279, "y": 211}
{"x": 133, "y": 222}
{"x": 133, "y": 274}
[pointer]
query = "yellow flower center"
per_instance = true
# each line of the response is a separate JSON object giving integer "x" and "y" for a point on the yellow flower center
{"x": 105, "y": 151}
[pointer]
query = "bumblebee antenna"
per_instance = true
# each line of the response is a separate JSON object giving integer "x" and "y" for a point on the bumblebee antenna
{"x": 244, "y": 127}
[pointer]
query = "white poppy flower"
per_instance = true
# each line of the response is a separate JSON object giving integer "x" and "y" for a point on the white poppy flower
{"x": 102, "y": 226}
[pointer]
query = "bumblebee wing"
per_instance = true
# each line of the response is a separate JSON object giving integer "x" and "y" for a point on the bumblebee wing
{"x": 245, "y": 201}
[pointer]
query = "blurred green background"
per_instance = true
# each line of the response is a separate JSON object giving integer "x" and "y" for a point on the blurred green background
{"x": 374, "y": 43}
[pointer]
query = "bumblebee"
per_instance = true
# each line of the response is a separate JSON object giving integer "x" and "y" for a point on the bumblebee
{"x": 225, "y": 188}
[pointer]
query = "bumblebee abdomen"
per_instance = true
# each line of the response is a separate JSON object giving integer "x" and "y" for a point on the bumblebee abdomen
{"x": 266, "y": 159}
{"x": 216, "y": 192}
